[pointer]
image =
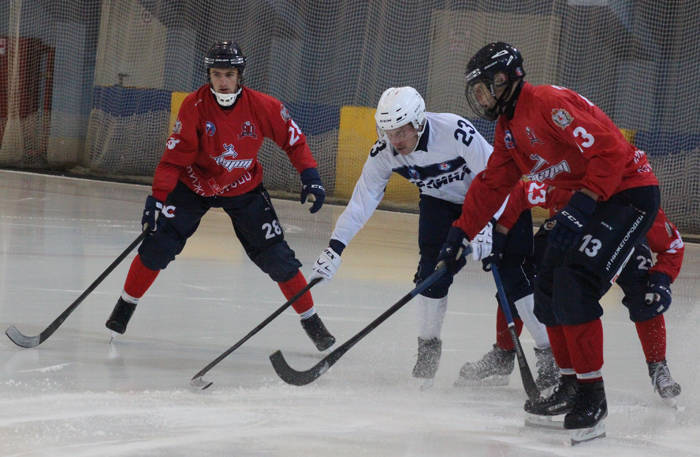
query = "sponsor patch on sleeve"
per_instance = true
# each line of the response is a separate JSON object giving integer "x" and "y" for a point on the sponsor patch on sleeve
{"x": 561, "y": 117}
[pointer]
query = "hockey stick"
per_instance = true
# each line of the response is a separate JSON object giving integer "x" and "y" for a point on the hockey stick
{"x": 528, "y": 382}
{"x": 200, "y": 383}
{"x": 25, "y": 341}
{"x": 301, "y": 378}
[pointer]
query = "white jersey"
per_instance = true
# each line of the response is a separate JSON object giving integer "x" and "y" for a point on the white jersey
{"x": 449, "y": 154}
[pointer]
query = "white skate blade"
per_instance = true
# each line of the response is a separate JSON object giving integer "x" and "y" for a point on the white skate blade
{"x": 491, "y": 381}
{"x": 548, "y": 422}
{"x": 425, "y": 384}
{"x": 672, "y": 402}
{"x": 581, "y": 435}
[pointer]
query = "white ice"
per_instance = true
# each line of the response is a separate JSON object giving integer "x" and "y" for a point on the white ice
{"x": 77, "y": 395}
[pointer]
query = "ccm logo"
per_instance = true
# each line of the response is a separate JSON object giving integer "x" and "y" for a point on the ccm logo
{"x": 572, "y": 219}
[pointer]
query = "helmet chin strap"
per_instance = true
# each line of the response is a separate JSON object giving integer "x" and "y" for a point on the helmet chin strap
{"x": 226, "y": 100}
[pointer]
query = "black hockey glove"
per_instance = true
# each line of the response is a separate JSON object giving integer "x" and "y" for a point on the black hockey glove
{"x": 571, "y": 221}
{"x": 150, "y": 211}
{"x": 455, "y": 250}
{"x": 311, "y": 184}
{"x": 658, "y": 293}
{"x": 497, "y": 247}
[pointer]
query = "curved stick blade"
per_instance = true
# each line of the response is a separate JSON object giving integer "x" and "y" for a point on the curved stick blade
{"x": 21, "y": 339}
{"x": 294, "y": 377}
{"x": 199, "y": 383}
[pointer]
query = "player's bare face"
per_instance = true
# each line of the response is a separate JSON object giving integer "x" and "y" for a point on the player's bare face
{"x": 404, "y": 139}
{"x": 224, "y": 80}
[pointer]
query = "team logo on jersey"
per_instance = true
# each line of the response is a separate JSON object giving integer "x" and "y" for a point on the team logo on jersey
{"x": 531, "y": 135}
{"x": 413, "y": 173}
{"x": 177, "y": 127}
{"x": 549, "y": 172}
{"x": 285, "y": 114}
{"x": 172, "y": 142}
{"x": 444, "y": 166}
{"x": 539, "y": 161}
{"x": 509, "y": 140}
{"x": 561, "y": 117}
{"x": 227, "y": 159}
{"x": 248, "y": 129}
{"x": 211, "y": 128}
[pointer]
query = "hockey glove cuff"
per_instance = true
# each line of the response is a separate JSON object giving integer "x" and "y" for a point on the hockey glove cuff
{"x": 571, "y": 221}
{"x": 658, "y": 292}
{"x": 311, "y": 184}
{"x": 150, "y": 211}
{"x": 326, "y": 265}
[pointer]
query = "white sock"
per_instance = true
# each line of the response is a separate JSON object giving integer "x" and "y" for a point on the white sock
{"x": 431, "y": 314}
{"x": 526, "y": 310}
{"x": 129, "y": 299}
{"x": 308, "y": 313}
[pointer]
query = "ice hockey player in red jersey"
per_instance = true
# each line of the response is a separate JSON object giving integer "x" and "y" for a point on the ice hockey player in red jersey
{"x": 555, "y": 135}
{"x": 211, "y": 161}
{"x": 645, "y": 282}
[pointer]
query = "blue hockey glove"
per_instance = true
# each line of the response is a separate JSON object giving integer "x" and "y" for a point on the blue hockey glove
{"x": 658, "y": 293}
{"x": 150, "y": 211}
{"x": 455, "y": 250}
{"x": 311, "y": 184}
{"x": 571, "y": 221}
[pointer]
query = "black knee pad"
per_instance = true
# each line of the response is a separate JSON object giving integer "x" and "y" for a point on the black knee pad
{"x": 440, "y": 287}
{"x": 160, "y": 248}
{"x": 278, "y": 261}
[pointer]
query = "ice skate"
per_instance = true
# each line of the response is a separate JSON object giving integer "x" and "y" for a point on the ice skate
{"x": 317, "y": 332}
{"x": 429, "y": 352}
{"x": 547, "y": 369}
{"x": 547, "y": 412}
{"x": 586, "y": 417}
{"x": 120, "y": 316}
{"x": 663, "y": 383}
{"x": 493, "y": 369}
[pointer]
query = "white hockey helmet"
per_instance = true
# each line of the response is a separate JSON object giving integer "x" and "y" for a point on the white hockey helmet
{"x": 399, "y": 106}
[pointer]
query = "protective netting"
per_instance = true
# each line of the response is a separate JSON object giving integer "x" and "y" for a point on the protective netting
{"x": 89, "y": 86}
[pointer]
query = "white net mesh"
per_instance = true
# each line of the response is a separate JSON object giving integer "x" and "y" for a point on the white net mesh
{"x": 91, "y": 87}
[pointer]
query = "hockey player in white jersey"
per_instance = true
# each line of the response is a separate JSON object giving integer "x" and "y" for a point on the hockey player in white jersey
{"x": 440, "y": 153}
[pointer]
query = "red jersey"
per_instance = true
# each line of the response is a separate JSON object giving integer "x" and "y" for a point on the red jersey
{"x": 214, "y": 151}
{"x": 663, "y": 237}
{"x": 558, "y": 137}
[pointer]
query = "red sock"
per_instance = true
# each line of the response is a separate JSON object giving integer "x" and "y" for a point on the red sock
{"x": 585, "y": 344}
{"x": 503, "y": 338}
{"x": 557, "y": 341}
{"x": 291, "y": 287}
{"x": 652, "y": 335}
{"x": 139, "y": 278}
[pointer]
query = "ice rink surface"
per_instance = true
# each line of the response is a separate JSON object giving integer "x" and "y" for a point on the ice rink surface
{"x": 78, "y": 395}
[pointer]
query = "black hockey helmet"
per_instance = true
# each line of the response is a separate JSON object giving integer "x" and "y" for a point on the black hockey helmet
{"x": 490, "y": 60}
{"x": 225, "y": 54}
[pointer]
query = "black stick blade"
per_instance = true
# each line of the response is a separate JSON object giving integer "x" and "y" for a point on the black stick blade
{"x": 294, "y": 377}
{"x": 200, "y": 383}
{"x": 21, "y": 339}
